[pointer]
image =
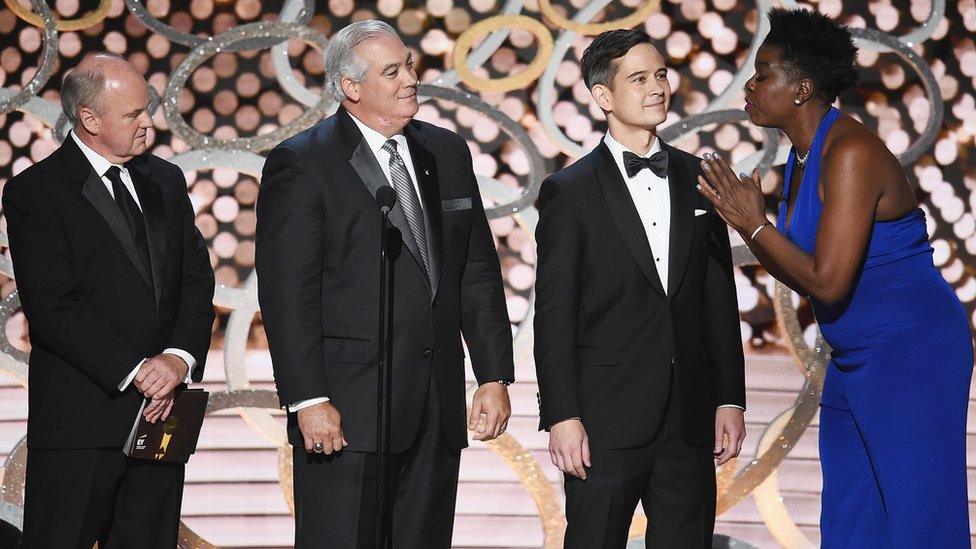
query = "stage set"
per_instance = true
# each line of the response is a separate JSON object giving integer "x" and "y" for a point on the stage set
{"x": 232, "y": 78}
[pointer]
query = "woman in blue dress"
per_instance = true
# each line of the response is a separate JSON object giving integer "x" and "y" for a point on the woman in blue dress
{"x": 851, "y": 237}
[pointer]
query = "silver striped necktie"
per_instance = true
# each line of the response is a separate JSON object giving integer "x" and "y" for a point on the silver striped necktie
{"x": 408, "y": 200}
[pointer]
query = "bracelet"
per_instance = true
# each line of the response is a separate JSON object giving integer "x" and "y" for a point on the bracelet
{"x": 759, "y": 228}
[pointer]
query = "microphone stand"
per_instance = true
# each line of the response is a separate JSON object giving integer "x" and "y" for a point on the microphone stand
{"x": 384, "y": 383}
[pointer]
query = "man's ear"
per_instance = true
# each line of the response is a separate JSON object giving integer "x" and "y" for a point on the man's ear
{"x": 603, "y": 97}
{"x": 351, "y": 88}
{"x": 89, "y": 120}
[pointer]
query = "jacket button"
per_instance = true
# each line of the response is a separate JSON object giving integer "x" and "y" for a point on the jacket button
{"x": 428, "y": 353}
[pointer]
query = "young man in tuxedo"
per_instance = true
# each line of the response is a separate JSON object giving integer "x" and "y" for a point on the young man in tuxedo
{"x": 637, "y": 343}
{"x": 116, "y": 284}
{"x": 318, "y": 249}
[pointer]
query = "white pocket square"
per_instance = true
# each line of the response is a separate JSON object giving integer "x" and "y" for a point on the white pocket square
{"x": 699, "y": 212}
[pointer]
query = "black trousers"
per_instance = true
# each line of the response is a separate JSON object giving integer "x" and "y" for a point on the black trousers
{"x": 673, "y": 480}
{"x": 73, "y": 498}
{"x": 335, "y": 496}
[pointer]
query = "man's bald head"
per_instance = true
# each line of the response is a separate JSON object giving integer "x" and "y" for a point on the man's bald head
{"x": 86, "y": 84}
{"x": 106, "y": 100}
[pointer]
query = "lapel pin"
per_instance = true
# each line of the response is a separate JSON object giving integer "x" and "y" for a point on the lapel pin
{"x": 426, "y": 172}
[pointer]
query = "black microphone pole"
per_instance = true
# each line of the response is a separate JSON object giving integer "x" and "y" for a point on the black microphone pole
{"x": 385, "y": 198}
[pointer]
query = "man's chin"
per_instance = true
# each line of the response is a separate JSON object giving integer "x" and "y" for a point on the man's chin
{"x": 410, "y": 107}
{"x": 653, "y": 121}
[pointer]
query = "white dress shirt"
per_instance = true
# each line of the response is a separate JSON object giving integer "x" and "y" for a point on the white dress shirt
{"x": 375, "y": 141}
{"x": 652, "y": 197}
{"x": 101, "y": 165}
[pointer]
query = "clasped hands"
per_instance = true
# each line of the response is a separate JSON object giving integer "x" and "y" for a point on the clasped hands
{"x": 737, "y": 199}
{"x": 321, "y": 424}
{"x": 157, "y": 380}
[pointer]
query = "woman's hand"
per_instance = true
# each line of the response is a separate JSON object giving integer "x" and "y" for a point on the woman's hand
{"x": 739, "y": 200}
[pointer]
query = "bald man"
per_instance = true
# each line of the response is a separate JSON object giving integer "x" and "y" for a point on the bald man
{"x": 116, "y": 284}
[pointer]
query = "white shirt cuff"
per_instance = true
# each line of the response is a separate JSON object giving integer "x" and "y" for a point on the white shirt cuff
{"x": 296, "y": 406}
{"x": 132, "y": 375}
{"x": 191, "y": 362}
{"x": 732, "y": 406}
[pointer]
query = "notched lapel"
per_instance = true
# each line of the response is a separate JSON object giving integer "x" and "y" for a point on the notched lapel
{"x": 625, "y": 216}
{"x": 368, "y": 169}
{"x": 425, "y": 165}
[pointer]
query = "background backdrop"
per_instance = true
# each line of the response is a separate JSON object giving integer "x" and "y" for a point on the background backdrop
{"x": 233, "y": 78}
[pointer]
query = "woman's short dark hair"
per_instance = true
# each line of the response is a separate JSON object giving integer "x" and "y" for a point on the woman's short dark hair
{"x": 814, "y": 46}
{"x": 597, "y": 62}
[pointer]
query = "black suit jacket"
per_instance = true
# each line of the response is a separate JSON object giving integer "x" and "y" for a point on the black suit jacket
{"x": 606, "y": 332}
{"x": 93, "y": 308}
{"x": 318, "y": 239}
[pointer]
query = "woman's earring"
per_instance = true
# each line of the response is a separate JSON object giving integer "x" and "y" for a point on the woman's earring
{"x": 797, "y": 100}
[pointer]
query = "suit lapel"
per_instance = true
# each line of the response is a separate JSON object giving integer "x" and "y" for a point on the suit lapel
{"x": 151, "y": 199}
{"x": 682, "y": 218}
{"x": 425, "y": 165}
{"x": 93, "y": 189}
{"x": 368, "y": 169}
{"x": 625, "y": 216}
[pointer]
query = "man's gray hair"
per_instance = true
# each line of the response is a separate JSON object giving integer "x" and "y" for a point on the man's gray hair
{"x": 341, "y": 59}
{"x": 84, "y": 88}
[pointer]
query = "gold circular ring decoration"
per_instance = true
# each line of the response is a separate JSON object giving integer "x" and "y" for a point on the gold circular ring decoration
{"x": 64, "y": 25}
{"x": 487, "y": 26}
{"x": 593, "y": 29}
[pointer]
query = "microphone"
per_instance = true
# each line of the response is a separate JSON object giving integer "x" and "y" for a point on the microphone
{"x": 385, "y": 198}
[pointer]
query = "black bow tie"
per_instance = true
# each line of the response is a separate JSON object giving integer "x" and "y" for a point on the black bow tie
{"x": 657, "y": 163}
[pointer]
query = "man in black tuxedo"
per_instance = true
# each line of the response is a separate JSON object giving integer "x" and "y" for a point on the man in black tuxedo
{"x": 116, "y": 284}
{"x": 637, "y": 343}
{"x": 318, "y": 245}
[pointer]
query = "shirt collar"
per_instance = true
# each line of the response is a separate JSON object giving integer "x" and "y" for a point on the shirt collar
{"x": 97, "y": 161}
{"x": 618, "y": 150}
{"x": 375, "y": 140}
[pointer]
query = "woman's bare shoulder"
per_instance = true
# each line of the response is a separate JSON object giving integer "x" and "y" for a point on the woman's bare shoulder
{"x": 851, "y": 145}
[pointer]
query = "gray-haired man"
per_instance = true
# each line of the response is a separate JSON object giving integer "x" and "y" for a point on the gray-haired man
{"x": 318, "y": 240}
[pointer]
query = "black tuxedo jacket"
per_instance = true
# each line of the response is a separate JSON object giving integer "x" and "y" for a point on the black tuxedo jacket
{"x": 93, "y": 308}
{"x": 608, "y": 339}
{"x": 318, "y": 242}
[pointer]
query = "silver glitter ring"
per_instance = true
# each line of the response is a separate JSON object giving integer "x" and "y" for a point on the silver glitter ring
{"x": 514, "y": 130}
{"x": 200, "y": 54}
{"x": 929, "y": 84}
{"x": 770, "y": 135}
{"x": 293, "y": 10}
{"x": 139, "y": 11}
{"x": 45, "y": 67}
{"x": 547, "y": 82}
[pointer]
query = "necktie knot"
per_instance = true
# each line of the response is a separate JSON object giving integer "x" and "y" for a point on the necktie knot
{"x": 390, "y": 146}
{"x": 657, "y": 163}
